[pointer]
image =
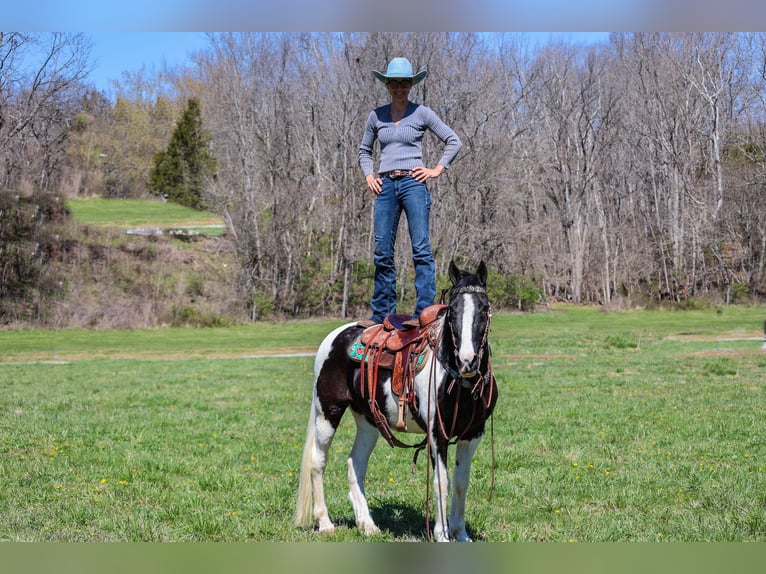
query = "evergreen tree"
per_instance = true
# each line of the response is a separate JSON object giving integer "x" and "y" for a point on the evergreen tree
{"x": 180, "y": 170}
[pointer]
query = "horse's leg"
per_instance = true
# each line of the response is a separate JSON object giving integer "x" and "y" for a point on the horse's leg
{"x": 331, "y": 398}
{"x": 365, "y": 440}
{"x": 441, "y": 491}
{"x": 319, "y": 435}
{"x": 323, "y": 435}
{"x": 464, "y": 452}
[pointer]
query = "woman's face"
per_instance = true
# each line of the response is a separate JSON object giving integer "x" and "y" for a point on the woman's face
{"x": 399, "y": 88}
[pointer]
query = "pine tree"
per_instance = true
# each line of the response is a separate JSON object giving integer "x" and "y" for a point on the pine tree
{"x": 180, "y": 171}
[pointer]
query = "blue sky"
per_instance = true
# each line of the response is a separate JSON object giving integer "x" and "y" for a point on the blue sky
{"x": 425, "y": 15}
{"x": 116, "y": 52}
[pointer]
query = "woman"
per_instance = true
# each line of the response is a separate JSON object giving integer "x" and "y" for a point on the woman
{"x": 400, "y": 184}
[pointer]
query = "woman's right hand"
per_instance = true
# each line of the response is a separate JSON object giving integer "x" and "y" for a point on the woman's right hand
{"x": 375, "y": 184}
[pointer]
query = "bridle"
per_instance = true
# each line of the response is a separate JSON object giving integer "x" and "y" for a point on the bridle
{"x": 476, "y": 382}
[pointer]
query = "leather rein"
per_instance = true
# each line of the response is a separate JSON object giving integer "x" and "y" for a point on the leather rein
{"x": 477, "y": 392}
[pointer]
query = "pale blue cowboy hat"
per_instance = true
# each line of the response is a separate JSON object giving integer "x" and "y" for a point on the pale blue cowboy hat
{"x": 400, "y": 68}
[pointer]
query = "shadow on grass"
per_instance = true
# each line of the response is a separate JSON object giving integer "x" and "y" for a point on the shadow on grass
{"x": 400, "y": 520}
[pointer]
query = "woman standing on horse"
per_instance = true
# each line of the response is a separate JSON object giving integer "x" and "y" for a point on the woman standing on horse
{"x": 400, "y": 184}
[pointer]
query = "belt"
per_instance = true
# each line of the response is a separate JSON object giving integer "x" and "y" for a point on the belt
{"x": 397, "y": 173}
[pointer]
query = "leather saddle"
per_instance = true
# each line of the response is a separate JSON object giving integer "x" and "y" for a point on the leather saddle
{"x": 400, "y": 346}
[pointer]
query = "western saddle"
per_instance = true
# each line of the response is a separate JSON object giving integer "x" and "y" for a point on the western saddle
{"x": 400, "y": 346}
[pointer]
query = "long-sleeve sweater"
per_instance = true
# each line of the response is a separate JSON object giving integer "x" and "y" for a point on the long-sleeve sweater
{"x": 401, "y": 145}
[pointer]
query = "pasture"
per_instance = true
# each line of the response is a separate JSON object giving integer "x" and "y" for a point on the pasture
{"x": 629, "y": 426}
{"x": 127, "y": 213}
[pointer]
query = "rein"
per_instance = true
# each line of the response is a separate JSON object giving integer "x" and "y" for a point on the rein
{"x": 477, "y": 392}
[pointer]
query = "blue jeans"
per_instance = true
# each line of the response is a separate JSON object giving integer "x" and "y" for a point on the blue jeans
{"x": 408, "y": 195}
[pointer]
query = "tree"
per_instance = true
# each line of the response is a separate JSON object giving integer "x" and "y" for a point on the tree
{"x": 592, "y": 172}
{"x": 40, "y": 83}
{"x": 85, "y": 152}
{"x": 181, "y": 171}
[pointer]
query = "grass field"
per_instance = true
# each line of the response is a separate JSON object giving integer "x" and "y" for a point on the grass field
{"x": 630, "y": 426}
{"x": 127, "y": 213}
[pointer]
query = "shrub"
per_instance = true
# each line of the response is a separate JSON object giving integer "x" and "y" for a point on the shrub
{"x": 513, "y": 291}
{"x": 29, "y": 237}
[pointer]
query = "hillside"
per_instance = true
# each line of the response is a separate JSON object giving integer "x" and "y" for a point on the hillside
{"x": 135, "y": 263}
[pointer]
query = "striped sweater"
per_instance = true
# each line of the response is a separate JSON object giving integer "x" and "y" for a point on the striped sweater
{"x": 401, "y": 146}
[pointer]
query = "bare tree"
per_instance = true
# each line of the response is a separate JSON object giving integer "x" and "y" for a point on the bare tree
{"x": 592, "y": 171}
{"x": 573, "y": 123}
{"x": 40, "y": 83}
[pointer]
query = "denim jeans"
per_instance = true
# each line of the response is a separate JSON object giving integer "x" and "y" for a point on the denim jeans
{"x": 408, "y": 195}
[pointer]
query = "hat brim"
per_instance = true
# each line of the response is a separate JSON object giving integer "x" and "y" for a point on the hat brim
{"x": 417, "y": 78}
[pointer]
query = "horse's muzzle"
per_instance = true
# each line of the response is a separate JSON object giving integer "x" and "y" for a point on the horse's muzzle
{"x": 469, "y": 367}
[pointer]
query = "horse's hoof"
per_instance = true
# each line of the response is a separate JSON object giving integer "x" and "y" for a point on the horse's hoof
{"x": 440, "y": 536}
{"x": 325, "y": 529}
{"x": 463, "y": 538}
{"x": 369, "y": 528}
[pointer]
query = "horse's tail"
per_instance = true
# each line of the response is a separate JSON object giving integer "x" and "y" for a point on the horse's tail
{"x": 303, "y": 511}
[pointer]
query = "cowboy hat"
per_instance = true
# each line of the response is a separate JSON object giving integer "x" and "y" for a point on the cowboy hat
{"x": 402, "y": 69}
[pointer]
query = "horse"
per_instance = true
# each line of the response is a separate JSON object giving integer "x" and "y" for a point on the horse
{"x": 454, "y": 395}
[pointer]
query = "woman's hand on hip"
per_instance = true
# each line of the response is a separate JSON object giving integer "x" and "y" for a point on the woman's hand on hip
{"x": 422, "y": 174}
{"x": 374, "y": 184}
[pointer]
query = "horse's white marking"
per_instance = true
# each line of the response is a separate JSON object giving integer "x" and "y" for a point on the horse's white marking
{"x": 392, "y": 408}
{"x": 324, "y": 430}
{"x": 392, "y": 405}
{"x": 424, "y": 380}
{"x": 323, "y": 435}
{"x": 441, "y": 490}
{"x": 464, "y": 452}
{"x": 365, "y": 440}
{"x": 323, "y": 352}
{"x": 467, "y": 352}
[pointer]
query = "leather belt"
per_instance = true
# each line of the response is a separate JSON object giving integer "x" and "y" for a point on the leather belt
{"x": 397, "y": 173}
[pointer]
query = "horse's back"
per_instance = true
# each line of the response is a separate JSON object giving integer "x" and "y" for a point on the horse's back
{"x": 334, "y": 347}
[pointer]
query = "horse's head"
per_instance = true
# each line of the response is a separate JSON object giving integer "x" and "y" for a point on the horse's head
{"x": 469, "y": 316}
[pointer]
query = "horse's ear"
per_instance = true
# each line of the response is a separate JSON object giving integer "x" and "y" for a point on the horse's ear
{"x": 454, "y": 273}
{"x": 481, "y": 273}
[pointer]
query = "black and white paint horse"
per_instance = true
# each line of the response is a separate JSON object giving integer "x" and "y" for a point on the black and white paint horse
{"x": 455, "y": 391}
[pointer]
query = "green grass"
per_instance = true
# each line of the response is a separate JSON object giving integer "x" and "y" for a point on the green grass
{"x": 126, "y": 213}
{"x": 634, "y": 426}
{"x": 167, "y": 343}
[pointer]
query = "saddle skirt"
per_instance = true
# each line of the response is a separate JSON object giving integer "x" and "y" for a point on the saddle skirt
{"x": 388, "y": 358}
{"x": 402, "y": 351}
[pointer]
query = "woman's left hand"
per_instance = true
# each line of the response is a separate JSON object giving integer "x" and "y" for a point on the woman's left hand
{"x": 422, "y": 173}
